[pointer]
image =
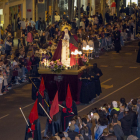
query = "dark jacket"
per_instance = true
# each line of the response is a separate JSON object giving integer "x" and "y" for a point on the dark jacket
{"x": 115, "y": 111}
{"x": 118, "y": 132}
{"x": 18, "y": 35}
{"x": 133, "y": 118}
{"x": 126, "y": 122}
{"x": 8, "y": 45}
{"x": 72, "y": 134}
{"x": 86, "y": 137}
{"x": 120, "y": 116}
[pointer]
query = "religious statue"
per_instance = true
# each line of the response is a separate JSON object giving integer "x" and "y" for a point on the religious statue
{"x": 66, "y": 45}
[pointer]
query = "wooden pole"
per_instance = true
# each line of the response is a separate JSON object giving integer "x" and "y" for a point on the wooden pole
{"x": 45, "y": 111}
{"x": 24, "y": 116}
{"x": 72, "y": 9}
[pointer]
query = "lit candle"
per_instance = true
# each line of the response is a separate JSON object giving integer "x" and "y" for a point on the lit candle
{"x": 84, "y": 48}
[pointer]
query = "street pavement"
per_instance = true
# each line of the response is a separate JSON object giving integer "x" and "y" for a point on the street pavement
{"x": 121, "y": 78}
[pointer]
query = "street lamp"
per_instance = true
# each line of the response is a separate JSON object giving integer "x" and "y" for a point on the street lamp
{"x": 76, "y": 54}
{"x": 87, "y": 50}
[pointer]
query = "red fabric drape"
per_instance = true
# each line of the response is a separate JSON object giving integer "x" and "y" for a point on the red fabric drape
{"x": 53, "y": 85}
{"x": 72, "y": 59}
{"x": 57, "y": 54}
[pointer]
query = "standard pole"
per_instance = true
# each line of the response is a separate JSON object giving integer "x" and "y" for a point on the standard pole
{"x": 45, "y": 111}
{"x": 79, "y": 13}
{"x": 24, "y": 116}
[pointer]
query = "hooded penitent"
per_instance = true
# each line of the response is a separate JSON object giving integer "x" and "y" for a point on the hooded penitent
{"x": 43, "y": 98}
{"x": 33, "y": 130}
{"x": 69, "y": 107}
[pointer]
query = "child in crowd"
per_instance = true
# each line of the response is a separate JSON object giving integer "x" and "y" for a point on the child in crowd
{"x": 1, "y": 81}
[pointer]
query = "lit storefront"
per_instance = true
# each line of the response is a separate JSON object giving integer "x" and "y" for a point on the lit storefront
{"x": 132, "y": 1}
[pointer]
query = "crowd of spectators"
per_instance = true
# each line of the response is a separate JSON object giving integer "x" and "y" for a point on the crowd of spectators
{"x": 115, "y": 121}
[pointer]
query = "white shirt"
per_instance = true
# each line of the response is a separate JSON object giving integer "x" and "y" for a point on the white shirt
{"x": 23, "y": 24}
{"x": 84, "y": 43}
{"x": 32, "y": 23}
{"x": 91, "y": 44}
{"x": 82, "y": 24}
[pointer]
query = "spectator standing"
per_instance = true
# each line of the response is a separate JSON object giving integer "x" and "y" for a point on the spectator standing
{"x": 103, "y": 124}
{"x": 116, "y": 35}
{"x": 32, "y": 22}
{"x": 121, "y": 114}
{"x": 19, "y": 35}
{"x": 88, "y": 9}
{"x": 133, "y": 116}
{"x": 38, "y": 24}
{"x": 138, "y": 128}
{"x": 82, "y": 9}
{"x": 126, "y": 123}
{"x": 1, "y": 81}
{"x": 117, "y": 129}
{"x": 72, "y": 133}
{"x": 115, "y": 109}
{"x": 84, "y": 132}
{"x": 73, "y": 122}
{"x": 56, "y": 17}
{"x": 29, "y": 38}
{"x": 8, "y": 46}
{"x": 23, "y": 25}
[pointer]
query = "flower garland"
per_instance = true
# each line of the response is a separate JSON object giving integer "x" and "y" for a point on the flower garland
{"x": 56, "y": 66}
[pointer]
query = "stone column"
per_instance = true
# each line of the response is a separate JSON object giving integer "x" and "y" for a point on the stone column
{"x": 33, "y": 10}
{"x": 6, "y": 14}
{"x": 92, "y": 4}
{"x": 69, "y": 9}
{"x": 24, "y": 9}
{"x": 103, "y": 2}
{"x": 72, "y": 9}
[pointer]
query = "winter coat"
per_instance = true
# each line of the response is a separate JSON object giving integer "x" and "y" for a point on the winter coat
{"x": 133, "y": 118}
{"x": 99, "y": 131}
{"x": 118, "y": 132}
{"x": 115, "y": 111}
{"x": 126, "y": 123}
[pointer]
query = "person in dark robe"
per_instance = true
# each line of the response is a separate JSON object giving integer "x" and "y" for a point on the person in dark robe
{"x": 35, "y": 63}
{"x": 55, "y": 126}
{"x": 37, "y": 131}
{"x": 116, "y": 35}
{"x": 34, "y": 129}
{"x": 85, "y": 92}
{"x": 69, "y": 110}
{"x": 44, "y": 104}
{"x": 42, "y": 40}
{"x": 97, "y": 74}
{"x": 138, "y": 56}
{"x": 92, "y": 85}
{"x": 35, "y": 86}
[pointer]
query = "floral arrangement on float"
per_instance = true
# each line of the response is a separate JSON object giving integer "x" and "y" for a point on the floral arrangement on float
{"x": 85, "y": 60}
{"x": 56, "y": 66}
